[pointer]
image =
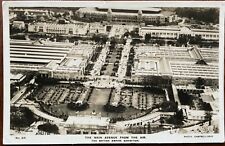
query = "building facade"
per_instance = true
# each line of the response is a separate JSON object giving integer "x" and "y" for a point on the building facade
{"x": 175, "y": 32}
{"x": 121, "y": 15}
{"x": 177, "y": 63}
{"x": 72, "y": 29}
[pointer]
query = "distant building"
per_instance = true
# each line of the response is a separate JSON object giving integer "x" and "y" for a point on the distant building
{"x": 29, "y": 12}
{"x": 37, "y": 52}
{"x": 161, "y": 32}
{"x": 96, "y": 28}
{"x": 18, "y": 24}
{"x": 72, "y": 29}
{"x": 173, "y": 18}
{"x": 70, "y": 68}
{"x": 88, "y": 123}
{"x": 175, "y": 62}
{"x": 51, "y": 59}
{"x": 17, "y": 78}
{"x": 151, "y": 15}
{"x": 174, "y": 32}
{"x": 185, "y": 72}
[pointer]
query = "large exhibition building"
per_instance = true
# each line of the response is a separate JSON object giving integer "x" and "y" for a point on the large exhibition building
{"x": 150, "y": 15}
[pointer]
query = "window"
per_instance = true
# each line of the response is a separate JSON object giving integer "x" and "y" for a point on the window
{"x": 41, "y": 29}
{"x": 70, "y": 31}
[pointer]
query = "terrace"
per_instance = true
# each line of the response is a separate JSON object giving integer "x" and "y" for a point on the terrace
{"x": 141, "y": 99}
{"x": 112, "y": 61}
{"x": 59, "y": 94}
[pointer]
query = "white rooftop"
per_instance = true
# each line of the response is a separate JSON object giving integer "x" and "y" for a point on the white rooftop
{"x": 15, "y": 76}
{"x": 87, "y": 120}
{"x": 130, "y": 8}
{"x": 93, "y": 10}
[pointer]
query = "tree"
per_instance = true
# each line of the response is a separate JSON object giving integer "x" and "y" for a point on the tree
{"x": 169, "y": 106}
{"x": 126, "y": 34}
{"x": 50, "y": 128}
{"x": 78, "y": 106}
{"x": 21, "y": 117}
{"x": 176, "y": 119}
{"x": 208, "y": 116}
{"x": 161, "y": 120}
{"x": 114, "y": 109}
{"x": 147, "y": 37}
{"x": 183, "y": 39}
{"x": 199, "y": 83}
{"x": 208, "y": 15}
{"x": 196, "y": 39}
{"x": 179, "y": 115}
{"x": 134, "y": 34}
{"x": 96, "y": 38}
{"x": 149, "y": 128}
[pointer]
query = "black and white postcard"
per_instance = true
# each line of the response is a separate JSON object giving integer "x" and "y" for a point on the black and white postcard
{"x": 113, "y": 72}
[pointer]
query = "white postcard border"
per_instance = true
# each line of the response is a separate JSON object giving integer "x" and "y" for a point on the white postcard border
{"x": 76, "y": 139}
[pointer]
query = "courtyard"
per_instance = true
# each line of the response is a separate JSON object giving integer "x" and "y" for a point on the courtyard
{"x": 55, "y": 99}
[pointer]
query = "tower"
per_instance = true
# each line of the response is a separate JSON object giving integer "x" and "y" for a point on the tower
{"x": 139, "y": 17}
{"x": 109, "y": 15}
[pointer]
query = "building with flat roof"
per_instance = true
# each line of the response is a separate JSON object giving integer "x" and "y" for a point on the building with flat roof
{"x": 129, "y": 10}
{"x": 51, "y": 59}
{"x": 151, "y": 67}
{"x": 72, "y": 29}
{"x": 161, "y": 32}
{"x": 88, "y": 122}
{"x": 18, "y": 24}
{"x": 96, "y": 28}
{"x": 16, "y": 78}
{"x": 170, "y": 52}
{"x": 180, "y": 63}
{"x": 173, "y": 32}
{"x": 71, "y": 68}
{"x": 184, "y": 72}
{"x": 26, "y": 11}
{"x": 82, "y": 50}
{"x": 37, "y": 52}
{"x": 74, "y": 63}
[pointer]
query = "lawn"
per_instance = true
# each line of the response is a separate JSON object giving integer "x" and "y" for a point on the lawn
{"x": 96, "y": 102}
{"x": 109, "y": 69}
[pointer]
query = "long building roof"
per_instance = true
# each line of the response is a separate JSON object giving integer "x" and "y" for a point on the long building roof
{"x": 87, "y": 120}
{"x": 93, "y": 10}
{"x": 148, "y": 9}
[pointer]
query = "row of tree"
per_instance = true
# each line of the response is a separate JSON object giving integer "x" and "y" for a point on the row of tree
{"x": 21, "y": 117}
{"x": 208, "y": 15}
{"x": 50, "y": 128}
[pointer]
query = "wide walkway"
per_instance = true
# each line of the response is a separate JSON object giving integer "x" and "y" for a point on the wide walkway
{"x": 98, "y": 99}
{"x": 144, "y": 120}
{"x": 41, "y": 114}
{"x": 123, "y": 62}
{"x": 175, "y": 93}
{"x": 18, "y": 96}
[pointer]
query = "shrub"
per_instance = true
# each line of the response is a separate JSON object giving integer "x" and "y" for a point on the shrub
{"x": 21, "y": 117}
{"x": 50, "y": 128}
{"x": 78, "y": 106}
